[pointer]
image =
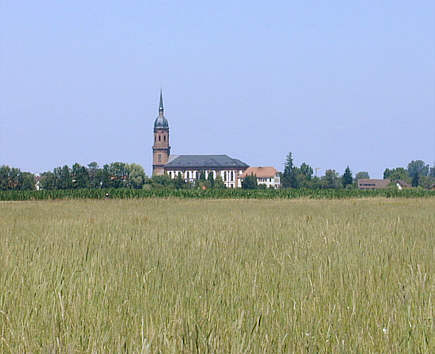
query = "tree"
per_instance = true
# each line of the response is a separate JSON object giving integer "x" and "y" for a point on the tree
{"x": 14, "y": 179}
{"x": 94, "y": 175}
{"x": 80, "y": 176}
{"x": 415, "y": 180}
{"x": 315, "y": 183}
{"x": 219, "y": 183}
{"x": 396, "y": 174}
{"x": 136, "y": 176}
{"x": 250, "y": 182}
{"x": 179, "y": 182}
{"x": 210, "y": 179}
{"x": 306, "y": 171}
{"x": 4, "y": 177}
{"x": 162, "y": 182}
{"x": 417, "y": 168}
{"x": 426, "y": 182}
{"x": 64, "y": 176}
{"x": 105, "y": 178}
{"x": 118, "y": 173}
{"x": 347, "y": 178}
{"x": 288, "y": 179}
{"x": 330, "y": 179}
{"x": 361, "y": 175}
{"x": 47, "y": 181}
{"x": 26, "y": 181}
{"x": 14, "y": 176}
{"x": 432, "y": 171}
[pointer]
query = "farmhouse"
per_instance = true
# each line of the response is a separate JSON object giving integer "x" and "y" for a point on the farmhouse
{"x": 267, "y": 176}
{"x": 367, "y": 184}
{"x": 370, "y": 183}
{"x": 190, "y": 167}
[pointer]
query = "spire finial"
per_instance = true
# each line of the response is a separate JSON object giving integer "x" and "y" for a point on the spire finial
{"x": 161, "y": 102}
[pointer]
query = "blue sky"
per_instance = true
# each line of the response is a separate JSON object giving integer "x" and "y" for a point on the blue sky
{"x": 335, "y": 82}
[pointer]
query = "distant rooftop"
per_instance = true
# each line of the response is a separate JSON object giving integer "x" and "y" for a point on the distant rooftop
{"x": 260, "y": 172}
{"x": 205, "y": 161}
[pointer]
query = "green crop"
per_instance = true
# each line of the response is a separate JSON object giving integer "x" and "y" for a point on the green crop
{"x": 124, "y": 193}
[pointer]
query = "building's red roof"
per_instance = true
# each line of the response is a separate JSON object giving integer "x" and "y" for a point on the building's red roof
{"x": 260, "y": 172}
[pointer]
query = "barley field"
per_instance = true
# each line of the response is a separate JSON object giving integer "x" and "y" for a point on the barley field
{"x": 222, "y": 276}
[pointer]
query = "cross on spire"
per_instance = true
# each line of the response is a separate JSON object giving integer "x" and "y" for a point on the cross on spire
{"x": 161, "y": 102}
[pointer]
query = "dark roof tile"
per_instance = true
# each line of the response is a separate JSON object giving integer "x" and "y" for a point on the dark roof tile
{"x": 205, "y": 161}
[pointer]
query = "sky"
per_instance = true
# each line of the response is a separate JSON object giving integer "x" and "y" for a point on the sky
{"x": 336, "y": 83}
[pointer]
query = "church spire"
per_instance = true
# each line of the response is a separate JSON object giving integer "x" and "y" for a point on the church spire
{"x": 161, "y": 102}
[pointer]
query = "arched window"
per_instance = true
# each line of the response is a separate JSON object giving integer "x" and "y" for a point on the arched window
{"x": 164, "y": 137}
{"x": 232, "y": 176}
{"x": 159, "y": 137}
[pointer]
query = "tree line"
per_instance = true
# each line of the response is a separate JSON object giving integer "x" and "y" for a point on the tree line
{"x": 132, "y": 176}
{"x": 417, "y": 174}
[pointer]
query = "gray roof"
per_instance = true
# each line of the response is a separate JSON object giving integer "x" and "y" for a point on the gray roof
{"x": 205, "y": 161}
{"x": 161, "y": 122}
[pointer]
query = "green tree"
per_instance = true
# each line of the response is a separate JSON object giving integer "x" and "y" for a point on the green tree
{"x": 417, "y": 169}
{"x": 13, "y": 179}
{"x": 26, "y": 181}
{"x": 80, "y": 176}
{"x": 219, "y": 183}
{"x": 415, "y": 180}
{"x": 250, "y": 182}
{"x": 288, "y": 178}
{"x": 210, "y": 179}
{"x": 179, "y": 182}
{"x": 361, "y": 175}
{"x": 105, "y": 177}
{"x": 94, "y": 175}
{"x": 396, "y": 174}
{"x": 331, "y": 179}
{"x": 315, "y": 183}
{"x": 164, "y": 181}
{"x": 47, "y": 181}
{"x": 4, "y": 177}
{"x": 136, "y": 176}
{"x": 65, "y": 180}
{"x": 306, "y": 171}
{"x": 118, "y": 173}
{"x": 347, "y": 178}
{"x": 14, "y": 176}
{"x": 426, "y": 181}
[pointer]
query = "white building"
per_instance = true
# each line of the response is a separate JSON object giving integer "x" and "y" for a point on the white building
{"x": 191, "y": 166}
{"x": 267, "y": 176}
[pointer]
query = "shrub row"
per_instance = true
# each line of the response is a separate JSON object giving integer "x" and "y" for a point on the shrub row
{"x": 211, "y": 194}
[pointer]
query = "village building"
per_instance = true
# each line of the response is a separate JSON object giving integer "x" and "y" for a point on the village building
{"x": 267, "y": 176}
{"x": 190, "y": 167}
{"x": 372, "y": 184}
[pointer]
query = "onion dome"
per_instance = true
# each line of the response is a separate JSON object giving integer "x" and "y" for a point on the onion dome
{"x": 161, "y": 122}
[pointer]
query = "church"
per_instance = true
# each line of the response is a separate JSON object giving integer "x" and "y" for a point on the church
{"x": 191, "y": 166}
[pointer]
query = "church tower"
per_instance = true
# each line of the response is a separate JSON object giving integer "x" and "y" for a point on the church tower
{"x": 161, "y": 148}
